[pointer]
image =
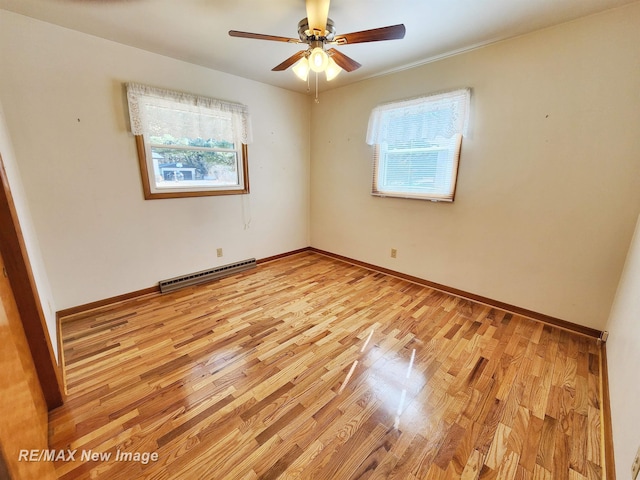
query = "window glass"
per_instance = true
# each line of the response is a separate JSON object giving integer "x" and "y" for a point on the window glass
{"x": 189, "y": 145}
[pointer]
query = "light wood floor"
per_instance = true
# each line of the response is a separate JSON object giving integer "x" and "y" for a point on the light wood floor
{"x": 311, "y": 368}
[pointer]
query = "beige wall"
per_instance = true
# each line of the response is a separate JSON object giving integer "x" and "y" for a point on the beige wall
{"x": 66, "y": 112}
{"x": 549, "y": 180}
{"x": 30, "y": 238}
{"x": 623, "y": 356}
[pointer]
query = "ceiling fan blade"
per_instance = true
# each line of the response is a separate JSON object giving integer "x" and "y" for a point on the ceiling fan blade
{"x": 317, "y": 14}
{"x": 347, "y": 63}
{"x": 392, "y": 32}
{"x": 289, "y": 61}
{"x": 259, "y": 36}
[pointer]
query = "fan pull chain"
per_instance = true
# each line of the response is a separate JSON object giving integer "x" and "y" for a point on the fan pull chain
{"x": 317, "y": 101}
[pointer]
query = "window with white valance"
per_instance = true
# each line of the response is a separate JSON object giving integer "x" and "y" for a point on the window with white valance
{"x": 189, "y": 145}
{"x": 417, "y": 145}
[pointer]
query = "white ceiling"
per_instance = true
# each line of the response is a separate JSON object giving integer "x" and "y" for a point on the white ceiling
{"x": 196, "y": 30}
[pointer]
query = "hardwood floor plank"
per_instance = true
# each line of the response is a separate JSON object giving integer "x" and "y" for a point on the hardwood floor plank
{"x": 308, "y": 367}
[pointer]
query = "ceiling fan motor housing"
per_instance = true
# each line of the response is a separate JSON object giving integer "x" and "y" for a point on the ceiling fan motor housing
{"x": 308, "y": 36}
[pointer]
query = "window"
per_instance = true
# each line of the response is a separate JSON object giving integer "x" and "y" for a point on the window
{"x": 417, "y": 146}
{"x": 189, "y": 145}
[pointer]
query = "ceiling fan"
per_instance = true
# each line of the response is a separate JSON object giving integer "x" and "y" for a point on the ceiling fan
{"x": 317, "y": 30}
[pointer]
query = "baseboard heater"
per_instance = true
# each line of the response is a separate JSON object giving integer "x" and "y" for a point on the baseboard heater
{"x": 206, "y": 275}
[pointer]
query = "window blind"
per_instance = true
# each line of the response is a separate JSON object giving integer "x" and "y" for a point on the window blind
{"x": 418, "y": 145}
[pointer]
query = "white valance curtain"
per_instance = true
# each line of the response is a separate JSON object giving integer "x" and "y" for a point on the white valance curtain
{"x": 426, "y": 118}
{"x": 155, "y": 111}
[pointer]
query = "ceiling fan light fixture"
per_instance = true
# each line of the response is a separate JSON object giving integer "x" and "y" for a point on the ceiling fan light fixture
{"x": 301, "y": 69}
{"x": 318, "y": 60}
{"x": 332, "y": 70}
{"x": 318, "y": 31}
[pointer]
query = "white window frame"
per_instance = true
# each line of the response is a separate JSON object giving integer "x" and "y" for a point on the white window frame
{"x": 202, "y": 114}
{"x": 424, "y": 165}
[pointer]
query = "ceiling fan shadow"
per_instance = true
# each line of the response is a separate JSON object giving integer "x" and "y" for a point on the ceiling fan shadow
{"x": 235, "y": 5}
{"x": 95, "y": 2}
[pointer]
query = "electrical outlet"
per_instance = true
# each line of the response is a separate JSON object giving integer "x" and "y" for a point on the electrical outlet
{"x": 635, "y": 466}
{"x": 394, "y": 253}
{"x": 219, "y": 252}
